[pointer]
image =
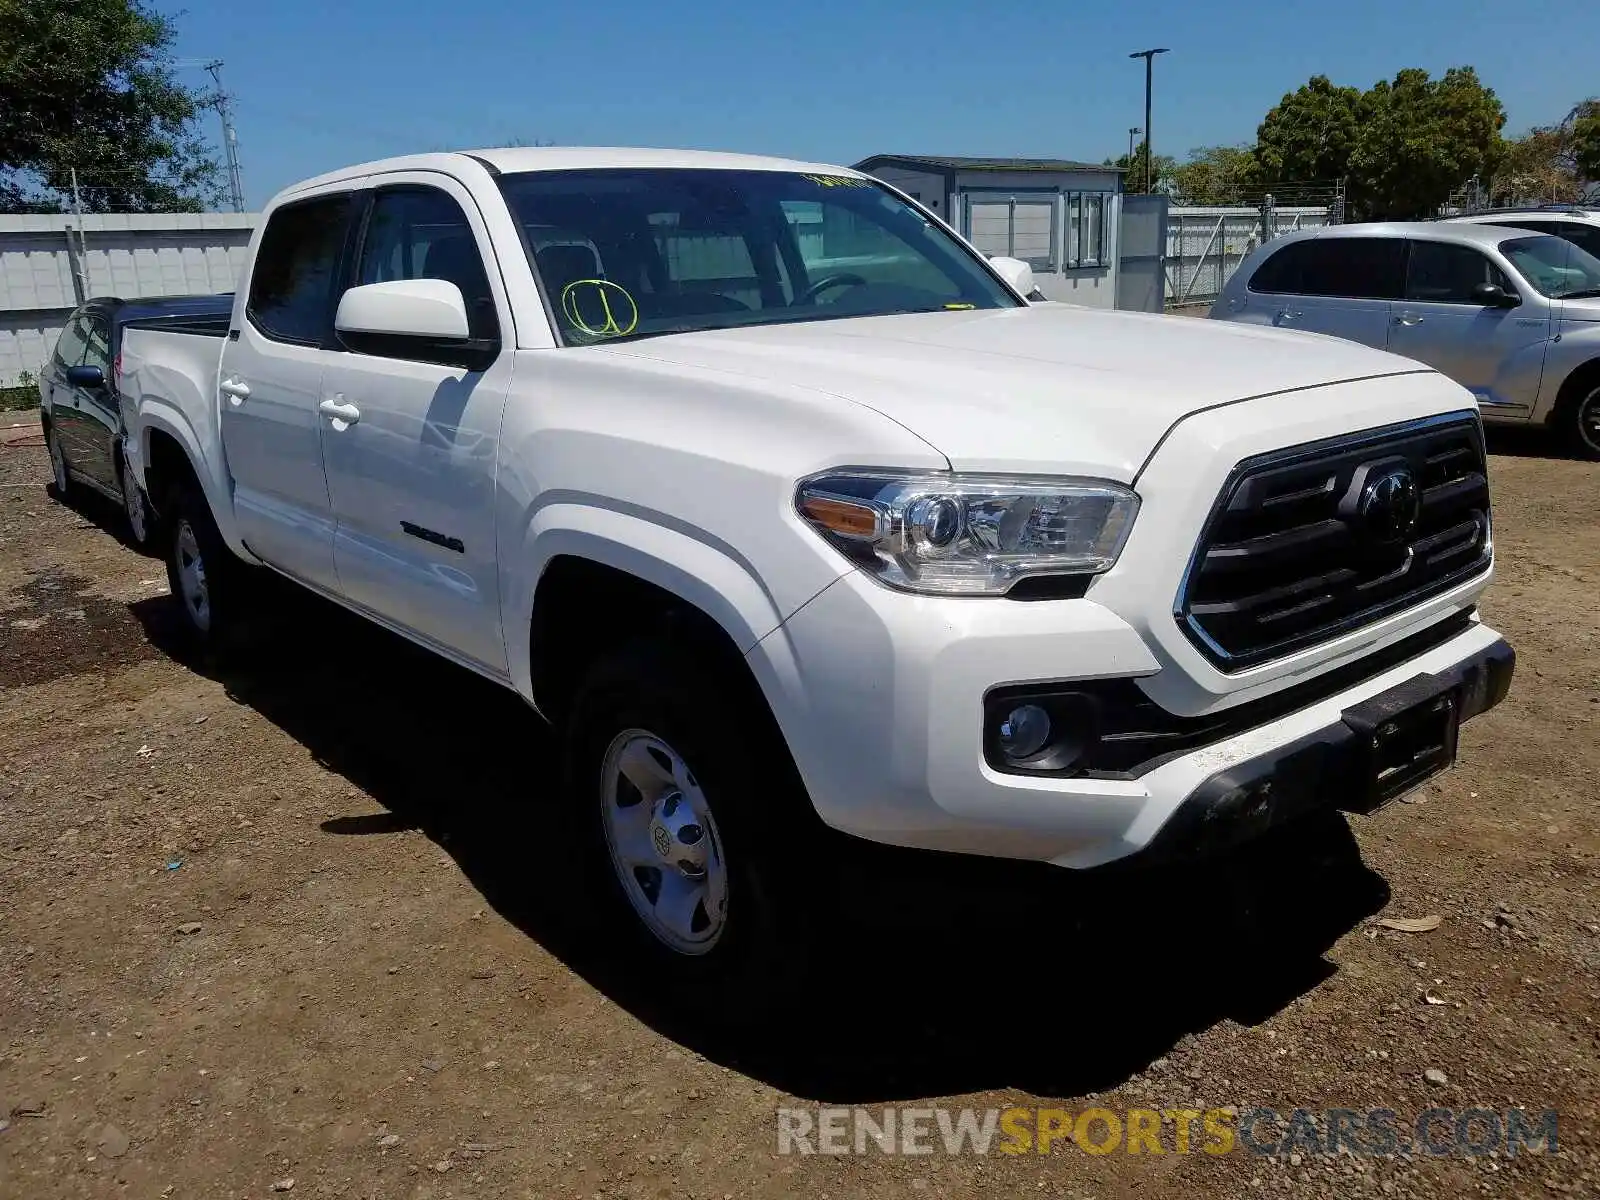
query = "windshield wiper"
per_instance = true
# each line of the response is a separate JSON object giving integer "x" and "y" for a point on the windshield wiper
{"x": 1581, "y": 294}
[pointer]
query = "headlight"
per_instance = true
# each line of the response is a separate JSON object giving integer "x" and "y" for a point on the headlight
{"x": 969, "y": 534}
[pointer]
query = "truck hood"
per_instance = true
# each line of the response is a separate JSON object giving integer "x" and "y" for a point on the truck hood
{"x": 1052, "y": 388}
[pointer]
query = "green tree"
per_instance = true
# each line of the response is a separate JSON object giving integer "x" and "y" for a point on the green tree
{"x": 1403, "y": 145}
{"x": 89, "y": 85}
{"x": 1215, "y": 175}
{"x": 1420, "y": 139}
{"x": 1535, "y": 168}
{"x": 1161, "y": 167}
{"x": 1309, "y": 135}
{"x": 1584, "y": 123}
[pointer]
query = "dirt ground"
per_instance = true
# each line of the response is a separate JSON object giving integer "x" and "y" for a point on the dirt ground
{"x": 294, "y": 921}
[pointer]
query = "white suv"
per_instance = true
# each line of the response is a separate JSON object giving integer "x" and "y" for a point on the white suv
{"x": 790, "y": 511}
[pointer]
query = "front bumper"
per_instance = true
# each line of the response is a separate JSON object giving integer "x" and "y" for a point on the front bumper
{"x": 1333, "y": 767}
{"x": 880, "y": 697}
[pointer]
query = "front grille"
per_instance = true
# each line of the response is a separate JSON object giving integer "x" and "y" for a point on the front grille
{"x": 1312, "y": 541}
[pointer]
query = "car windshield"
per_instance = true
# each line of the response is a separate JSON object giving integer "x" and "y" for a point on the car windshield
{"x": 630, "y": 253}
{"x": 1555, "y": 266}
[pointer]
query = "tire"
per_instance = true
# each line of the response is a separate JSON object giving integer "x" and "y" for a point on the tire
{"x": 1581, "y": 424}
{"x": 136, "y": 508}
{"x": 674, "y": 777}
{"x": 206, "y": 578}
{"x": 61, "y": 478}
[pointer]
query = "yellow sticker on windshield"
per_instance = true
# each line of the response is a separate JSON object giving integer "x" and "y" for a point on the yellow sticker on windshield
{"x": 831, "y": 181}
{"x": 588, "y": 305}
{"x": 957, "y": 307}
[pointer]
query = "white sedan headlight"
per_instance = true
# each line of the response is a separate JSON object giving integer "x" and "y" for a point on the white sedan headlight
{"x": 968, "y": 535}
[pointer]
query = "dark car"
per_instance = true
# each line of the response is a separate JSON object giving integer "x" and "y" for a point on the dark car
{"x": 79, "y": 402}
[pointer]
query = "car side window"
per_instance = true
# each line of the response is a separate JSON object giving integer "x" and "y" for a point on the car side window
{"x": 1446, "y": 273}
{"x": 1354, "y": 268}
{"x": 73, "y": 343}
{"x": 1584, "y": 236}
{"x": 291, "y": 287}
{"x": 421, "y": 233}
{"x": 1280, "y": 273}
{"x": 97, "y": 344}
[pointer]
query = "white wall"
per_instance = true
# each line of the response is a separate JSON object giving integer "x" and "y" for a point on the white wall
{"x": 43, "y": 277}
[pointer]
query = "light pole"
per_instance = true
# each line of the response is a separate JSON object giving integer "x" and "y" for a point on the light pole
{"x": 1133, "y": 132}
{"x": 1149, "y": 57}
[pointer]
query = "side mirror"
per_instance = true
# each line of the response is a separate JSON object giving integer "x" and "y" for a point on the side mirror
{"x": 86, "y": 376}
{"x": 1017, "y": 273}
{"x": 1492, "y": 295}
{"x": 432, "y": 309}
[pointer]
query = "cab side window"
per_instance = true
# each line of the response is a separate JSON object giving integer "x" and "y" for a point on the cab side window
{"x": 291, "y": 287}
{"x": 73, "y": 343}
{"x": 421, "y": 233}
{"x": 1444, "y": 273}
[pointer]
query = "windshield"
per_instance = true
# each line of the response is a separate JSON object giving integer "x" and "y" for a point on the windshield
{"x": 633, "y": 253}
{"x": 1555, "y": 266}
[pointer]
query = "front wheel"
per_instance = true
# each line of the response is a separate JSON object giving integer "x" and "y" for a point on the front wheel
{"x": 700, "y": 850}
{"x": 136, "y": 507}
{"x": 1583, "y": 421}
{"x": 60, "y": 476}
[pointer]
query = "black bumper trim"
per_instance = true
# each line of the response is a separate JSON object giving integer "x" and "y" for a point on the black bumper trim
{"x": 1328, "y": 768}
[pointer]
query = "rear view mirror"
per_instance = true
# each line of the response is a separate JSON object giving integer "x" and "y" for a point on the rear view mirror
{"x": 85, "y": 376}
{"x": 419, "y": 308}
{"x": 1492, "y": 295}
{"x": 1015, "y": 272}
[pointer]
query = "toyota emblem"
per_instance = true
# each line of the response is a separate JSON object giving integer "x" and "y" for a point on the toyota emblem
{"x": 1391, "y": 505}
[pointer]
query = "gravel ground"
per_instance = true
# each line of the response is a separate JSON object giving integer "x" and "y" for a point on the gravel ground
{"x": 292, "y": 928}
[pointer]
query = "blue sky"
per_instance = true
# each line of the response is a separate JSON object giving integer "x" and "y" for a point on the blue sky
{"x": 322, "y": 83}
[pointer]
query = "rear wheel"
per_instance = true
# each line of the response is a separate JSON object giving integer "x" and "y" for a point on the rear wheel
{"x": 204, "y": 575}
{"x": 700, "y": 850}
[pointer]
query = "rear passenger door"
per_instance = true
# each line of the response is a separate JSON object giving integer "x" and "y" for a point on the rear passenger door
{"x": 412, "y": 435}
{"x": 1341, "y": 286}
{"x": 271, "y": 385}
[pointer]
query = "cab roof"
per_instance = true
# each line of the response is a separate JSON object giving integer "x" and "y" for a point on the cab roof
{"x": 511, "y": 160}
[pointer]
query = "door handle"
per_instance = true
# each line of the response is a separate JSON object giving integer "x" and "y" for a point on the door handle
{"x": 344, "y": 415}
{"x": 1408, "y": 320}
{"x": 234, "y": 389}
{"x": 1289, "y": 314}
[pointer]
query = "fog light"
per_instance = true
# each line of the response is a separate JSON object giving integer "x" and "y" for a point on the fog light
{"x": 1024, "y": 732}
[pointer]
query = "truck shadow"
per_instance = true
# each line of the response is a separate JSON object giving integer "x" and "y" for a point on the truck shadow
{"x": 955, "y": 975}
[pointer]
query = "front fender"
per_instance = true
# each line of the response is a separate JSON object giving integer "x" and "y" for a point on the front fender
{"x": 1577, "y": 345}
{"x": 706, "y": 573}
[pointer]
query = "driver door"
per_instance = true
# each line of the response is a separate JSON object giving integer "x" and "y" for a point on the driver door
{"x": 1483, "y": 348}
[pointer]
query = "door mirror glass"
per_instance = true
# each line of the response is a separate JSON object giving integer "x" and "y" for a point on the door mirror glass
{"x": 1492, "y": 295}
{"x": 1015, "y": 272}
{"x": 86, "y": 376}
{"x": 421, "y": 308}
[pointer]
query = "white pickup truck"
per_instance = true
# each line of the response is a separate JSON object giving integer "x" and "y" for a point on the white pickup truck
{"x": 792, "y": 513}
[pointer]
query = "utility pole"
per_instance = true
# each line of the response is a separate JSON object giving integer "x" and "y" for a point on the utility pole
{"x": 230, "y": 139}
{"x": 80, "y": 270}
{"x": 1149, "y": 57}
{"x": 1133, "y": 131}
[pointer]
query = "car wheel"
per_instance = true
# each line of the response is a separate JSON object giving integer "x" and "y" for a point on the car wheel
{"x": 697, "y": 838}
{"x": 136, "y": 506}
{"x": 1583, "y": 429}
{"x": 62, "y": 478}
{"x": 203, "y": 574}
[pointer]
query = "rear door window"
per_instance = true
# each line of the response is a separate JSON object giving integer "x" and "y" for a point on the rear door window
{"x": 1354, "y": 268}
{"x": 291, "y": 287}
